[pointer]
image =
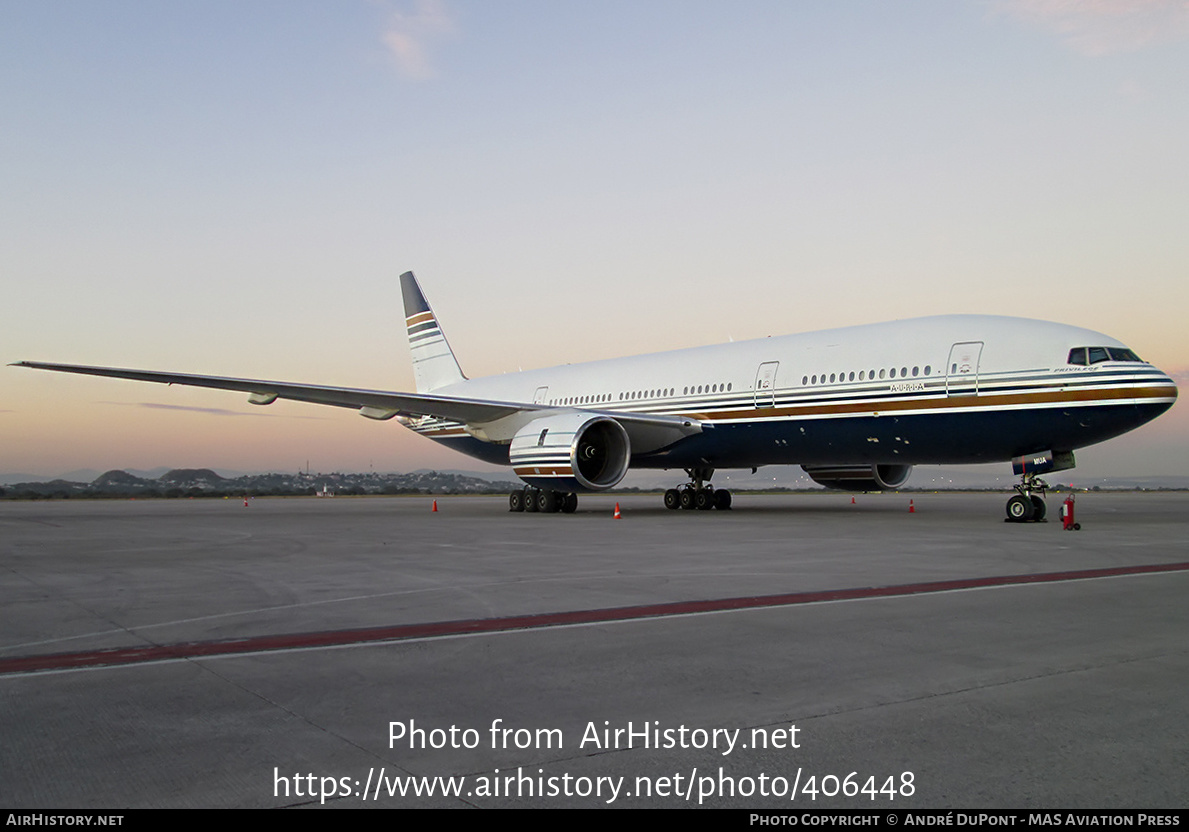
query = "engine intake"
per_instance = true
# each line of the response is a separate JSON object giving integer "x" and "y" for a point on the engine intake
{"x": 859, "y": 477}
{"x": 571, "y": 452}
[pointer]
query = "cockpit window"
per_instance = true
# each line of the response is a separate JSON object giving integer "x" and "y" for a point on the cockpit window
{"x": 1122, "y": 354}
{"x": 1084, "y": 356}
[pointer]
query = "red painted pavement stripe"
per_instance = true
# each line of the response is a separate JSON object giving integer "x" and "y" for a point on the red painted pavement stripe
{"x": 400, "y": 632}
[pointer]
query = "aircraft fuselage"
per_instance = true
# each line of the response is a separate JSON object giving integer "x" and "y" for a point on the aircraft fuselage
{"x": 941, "y": 390}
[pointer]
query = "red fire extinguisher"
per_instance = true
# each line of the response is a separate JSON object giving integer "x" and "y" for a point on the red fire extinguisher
{"x": 1067, "y": 521}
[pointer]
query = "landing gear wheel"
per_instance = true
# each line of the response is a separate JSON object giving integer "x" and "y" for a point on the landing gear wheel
{"x": 686, "y": 498}
{"x": 1020, "y": 509}
{"x": 722, "y": 499}
{"x": 1038, "y": 509}
{"x": 530, "y": 500}
{"x": 516, "y": 501}
{"x": 704, "y": 499}
{"x": 547, "y": 501}
{"x": 672, "y": 499}
{"x": 569, "y": 503}
{"x": 1028, "y": 504}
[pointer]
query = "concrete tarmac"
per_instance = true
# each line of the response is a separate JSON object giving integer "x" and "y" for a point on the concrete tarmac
{"x": 916, "y": 667}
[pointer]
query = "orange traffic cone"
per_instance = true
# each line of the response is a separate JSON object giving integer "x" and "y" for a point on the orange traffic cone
{"x": 617, "y": 516}
{"x": 852, "y": 501}
{"x": 911, "y": 509}
{"x": 435, "y": 505}
{"x": 245, "y": 502}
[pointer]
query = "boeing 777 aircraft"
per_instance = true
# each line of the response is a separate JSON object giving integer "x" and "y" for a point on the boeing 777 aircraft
{"x": 857, "y": 408}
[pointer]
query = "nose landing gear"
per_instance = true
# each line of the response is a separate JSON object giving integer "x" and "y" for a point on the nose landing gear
{"x": 1028, "y": 505}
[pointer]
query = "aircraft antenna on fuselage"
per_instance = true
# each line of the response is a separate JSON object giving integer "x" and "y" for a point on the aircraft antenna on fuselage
{"x": 434, "y": 365}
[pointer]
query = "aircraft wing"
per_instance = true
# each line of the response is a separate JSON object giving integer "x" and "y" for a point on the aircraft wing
{"x": 377, "y": 404}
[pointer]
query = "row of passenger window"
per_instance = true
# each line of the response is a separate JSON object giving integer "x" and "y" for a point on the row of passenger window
{"x": 636, "y": 395}
{"x": 591, "y": 399}
{"x": 866, "y": 375}
{"x": 1085, "y": 356}
{"x": 706, "y": 388}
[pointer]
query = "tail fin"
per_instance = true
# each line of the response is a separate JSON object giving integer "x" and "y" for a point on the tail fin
{"x": 434, "y": 365}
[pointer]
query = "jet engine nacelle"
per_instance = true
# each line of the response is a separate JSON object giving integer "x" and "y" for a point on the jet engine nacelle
{"x": 571, "y": 452}
{"x": 859, "y": 477}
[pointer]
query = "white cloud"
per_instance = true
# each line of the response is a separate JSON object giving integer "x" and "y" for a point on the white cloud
{"x": 409, "y": 35}
{"x": 1101, "y": 27}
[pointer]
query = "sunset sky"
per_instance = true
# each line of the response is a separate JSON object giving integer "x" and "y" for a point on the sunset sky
{"x": 233, "y": 188}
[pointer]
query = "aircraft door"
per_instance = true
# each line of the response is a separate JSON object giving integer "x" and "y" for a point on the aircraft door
{"x": 541, "y": 396}
{"x": 961, "y": 373}
{"x": 765, "y": 389}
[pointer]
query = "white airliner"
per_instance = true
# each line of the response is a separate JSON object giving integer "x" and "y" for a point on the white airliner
{"x": 857, "y": 408}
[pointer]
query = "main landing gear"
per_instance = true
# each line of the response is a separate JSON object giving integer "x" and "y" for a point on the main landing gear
{"x": 543, "y": 500}
{"x": 1028, "y": 505}
{"x": 698, "y": 493}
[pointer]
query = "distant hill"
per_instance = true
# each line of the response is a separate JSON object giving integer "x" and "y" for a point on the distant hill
{"x": 119, "y": 479}
{"x": 79, "y": 475}
{"x": 203, "y": 482}
{"x": 191, "y": 477}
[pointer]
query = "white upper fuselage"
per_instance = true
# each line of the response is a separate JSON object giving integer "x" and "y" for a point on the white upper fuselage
{"x": 916, "y": 350}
